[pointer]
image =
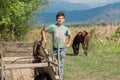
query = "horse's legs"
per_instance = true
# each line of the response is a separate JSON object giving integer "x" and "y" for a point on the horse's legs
{"x": 85, "y": 48}
{"x": 85, "y": 52}
{"x": 77, "y": 49}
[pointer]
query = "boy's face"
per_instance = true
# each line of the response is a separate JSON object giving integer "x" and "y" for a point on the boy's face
{"x": 60, "y": 20}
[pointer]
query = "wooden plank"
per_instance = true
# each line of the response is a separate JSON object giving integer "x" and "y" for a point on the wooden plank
{"x": 17, "y": 47}
{"x": 27, "y": 58}
{"x": 12, "y": 49}
{"x": 19, "y": 66}
{"x": 11, "y": 54}
{"x": 19, "y": 74}
{"x": 18, "y": 42}
{"x": 18, "y": 60}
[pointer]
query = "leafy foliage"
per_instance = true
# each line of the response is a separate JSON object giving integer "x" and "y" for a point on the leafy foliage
{"x": 15, "y": 16}
{"x": 117, "y": 33}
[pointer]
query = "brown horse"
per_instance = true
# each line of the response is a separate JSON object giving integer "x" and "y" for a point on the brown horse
{"x": 81, "y": 38}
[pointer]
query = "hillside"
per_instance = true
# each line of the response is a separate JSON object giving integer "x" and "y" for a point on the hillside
{"x": 66, "y": 6}
{"x": 107, "y": 13}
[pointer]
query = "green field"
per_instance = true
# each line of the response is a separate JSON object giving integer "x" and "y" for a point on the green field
{"x": 102, "y": 62}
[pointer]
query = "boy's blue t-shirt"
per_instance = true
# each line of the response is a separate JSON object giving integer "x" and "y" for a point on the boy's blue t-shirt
{"x": 59, "y": 34}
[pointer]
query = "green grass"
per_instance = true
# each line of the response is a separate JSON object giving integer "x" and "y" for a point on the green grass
{"x": 102, "y": 63}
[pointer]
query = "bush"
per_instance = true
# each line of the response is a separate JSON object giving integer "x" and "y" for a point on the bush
{"x": 117, "y": 33}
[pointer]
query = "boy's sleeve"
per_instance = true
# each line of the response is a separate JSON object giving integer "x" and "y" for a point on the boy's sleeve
{"x": 68, "y": 32}
{"x": 49, "y": 29}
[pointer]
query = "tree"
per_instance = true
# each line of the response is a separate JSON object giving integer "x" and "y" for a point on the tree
{"x": 15, "y": 15}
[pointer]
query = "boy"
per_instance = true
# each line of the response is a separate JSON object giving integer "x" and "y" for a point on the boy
{"x": 59, "y": 33}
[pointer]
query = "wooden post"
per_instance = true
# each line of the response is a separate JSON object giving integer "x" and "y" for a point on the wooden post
{"x": 58, "y": 61}
{"x": 2, "y": 68}
{"x": 1, "y": 55}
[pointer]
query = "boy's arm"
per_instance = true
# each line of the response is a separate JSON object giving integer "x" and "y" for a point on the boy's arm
{"x": 68, "y": 41}
{"x": 43, "y": 37}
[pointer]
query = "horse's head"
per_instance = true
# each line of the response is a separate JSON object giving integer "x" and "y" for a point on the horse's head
{"x": 76, "y": 43}
{"x": 75, "y": 48}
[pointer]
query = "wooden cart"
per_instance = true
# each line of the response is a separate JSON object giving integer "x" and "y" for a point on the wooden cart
{"x": 27, "y": 61}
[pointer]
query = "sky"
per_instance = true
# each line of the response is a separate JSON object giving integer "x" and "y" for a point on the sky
{"x": 90, "y": 1}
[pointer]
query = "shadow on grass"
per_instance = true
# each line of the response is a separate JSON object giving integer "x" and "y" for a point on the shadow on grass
{"x": 70, "y": 54}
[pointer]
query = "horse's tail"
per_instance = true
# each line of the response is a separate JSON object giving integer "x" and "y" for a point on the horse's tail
{"x": 87, "y": 38}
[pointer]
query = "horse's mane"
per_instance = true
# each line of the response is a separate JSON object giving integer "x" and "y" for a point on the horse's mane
{"x": 80, "y": 37}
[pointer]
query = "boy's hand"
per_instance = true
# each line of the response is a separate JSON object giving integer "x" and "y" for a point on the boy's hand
{"x": 67, "y": 45}
{"x": 43, "y": 37}
{"x": 68, "y": 42}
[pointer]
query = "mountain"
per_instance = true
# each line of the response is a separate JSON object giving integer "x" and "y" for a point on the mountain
{"x": 107, "y": 13}
{"x": 57, "y": 6}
